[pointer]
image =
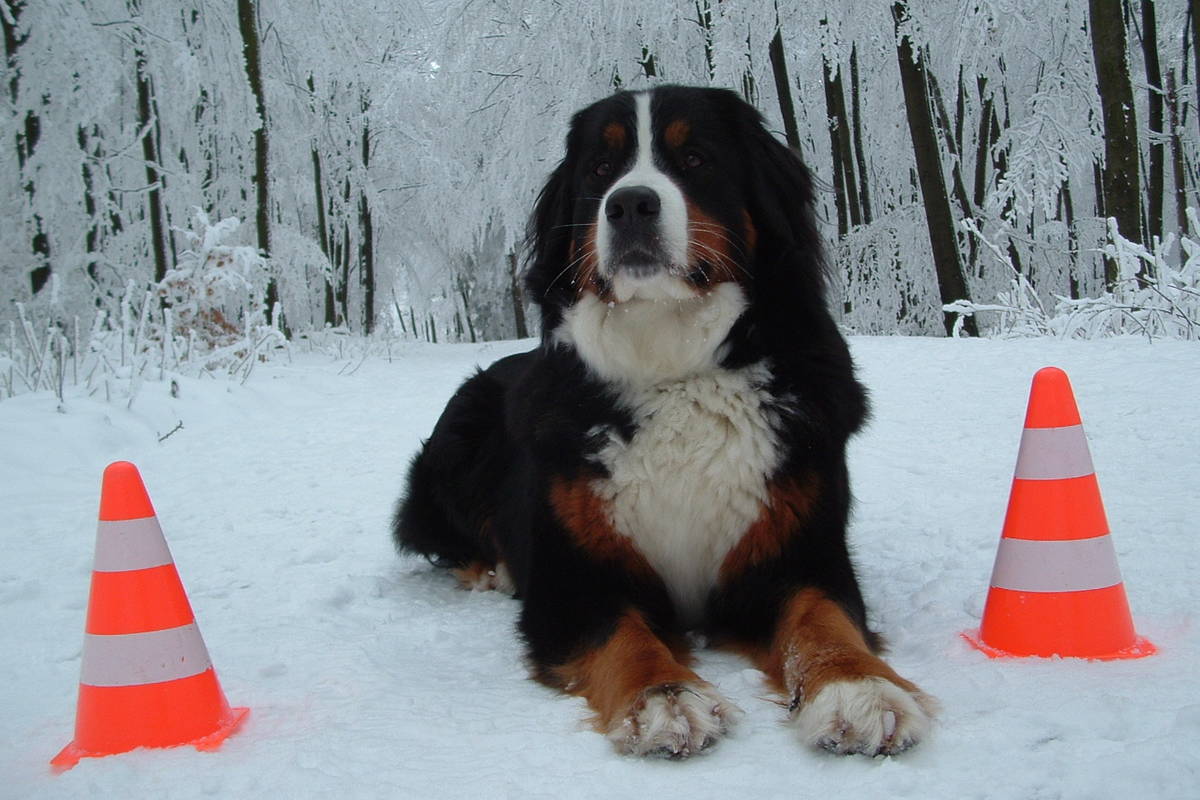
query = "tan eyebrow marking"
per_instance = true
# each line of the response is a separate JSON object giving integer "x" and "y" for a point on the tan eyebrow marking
{"x": 677, "y": 132}
{"x": 614, "y": 135}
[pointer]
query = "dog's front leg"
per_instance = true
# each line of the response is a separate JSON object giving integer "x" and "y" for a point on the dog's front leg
{"x": 843, "y": 697}
{"x": 645, "y": 701}
{"x": 594, "y": 617}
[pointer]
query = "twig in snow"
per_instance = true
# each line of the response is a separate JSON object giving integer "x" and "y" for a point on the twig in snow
{"x": 167, "y": 435}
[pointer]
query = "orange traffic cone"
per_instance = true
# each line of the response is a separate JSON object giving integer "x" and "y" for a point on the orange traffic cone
{"x": 1056, "y": 588}
{"x": 146, "y": 677}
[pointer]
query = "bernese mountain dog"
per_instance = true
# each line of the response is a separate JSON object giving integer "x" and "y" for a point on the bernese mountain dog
{"x": 671, "y": 457}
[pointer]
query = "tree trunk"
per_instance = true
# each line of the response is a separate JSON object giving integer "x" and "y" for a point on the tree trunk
{"x": 27, "y": 138}
{"x": 983, "y": 146}
{"x": 1068, "y": 206}
{"x": 248, "y": 25}
{"x": 464, "y": 293}
{"x": 1194, "y": 15}
{"x": 330, "y": 307}
{"x": 1120, "y": 185}
{"x": 704, "y": 19}
{"x": 91, "y": 239}
{"x": 1154, "y": 96}
{"x": 343, "y": 292}
{"x": 158, "y": 236}
{"x": 835, "y": 157}
{"x": 864, "y": 195}
{"x": 952, "y": 136}
{"x": 367, "y": 257}
{"x": 518, "y": 296}
{"x": 839, "y": 137}
{"x": 323, "y": 238}
{"x": 783, "y": 90}
{"x": 1178, "y": 167}
{"x": 952, "y": 284}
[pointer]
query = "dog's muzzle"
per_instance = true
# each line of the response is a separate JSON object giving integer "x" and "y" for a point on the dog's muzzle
{"x": 635, "y": 233}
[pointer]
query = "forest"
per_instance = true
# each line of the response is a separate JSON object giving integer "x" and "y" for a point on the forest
{"x": 218, "y": 176}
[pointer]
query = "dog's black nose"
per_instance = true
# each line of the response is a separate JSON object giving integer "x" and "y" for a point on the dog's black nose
{"x": 632, "y": 205}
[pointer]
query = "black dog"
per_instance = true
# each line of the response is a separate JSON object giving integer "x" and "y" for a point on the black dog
{"x": 671, "y": 457}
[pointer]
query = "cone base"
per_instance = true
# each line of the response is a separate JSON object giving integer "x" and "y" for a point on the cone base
{"x": 1140, "y": 648}
{"x": 70, "y": 755}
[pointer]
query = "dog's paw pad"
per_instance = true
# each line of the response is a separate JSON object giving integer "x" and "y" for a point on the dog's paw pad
{"x": 675, "y": 720}
{"x": 871, "y": 716}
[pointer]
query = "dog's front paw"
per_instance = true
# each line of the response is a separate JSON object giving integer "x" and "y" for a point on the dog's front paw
{"x": 674, "y": 720}
{"x": 872, "y": 716}
{"x": 482, "y": 577}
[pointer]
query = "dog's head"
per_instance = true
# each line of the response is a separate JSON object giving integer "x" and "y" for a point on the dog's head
{"x": 674, "y": 195}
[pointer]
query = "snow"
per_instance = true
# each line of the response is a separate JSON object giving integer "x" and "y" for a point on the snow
{"x": 369, "y": 676}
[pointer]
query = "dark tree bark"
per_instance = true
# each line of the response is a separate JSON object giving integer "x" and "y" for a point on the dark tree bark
{"x": 323, "y": 238}
{"x": 248, "y": 26}
{"x": 943, "y": 241}
{"x": 91, "y": 239}
{"x": 987, "y": 122}
{"x": 367, "y": 250}
{"x": 864, "y": 194}
{"x": 649, "y": 68}
{"x": 845, "y": 184}
{"x": 154, "y": 178}
{"x": 1120, "y": 185}
{"x": 1178, "y": 166}
{"x": 331, "y": 318}
{"x": 704, "y": 20}
{"x": 28, "y": 135}
{"x": 518, "y": 296}
{"x": 1068, "y": 215}
{"x": 1194, "y": 16}
{"x": 783, "y": 90}
{"x": 952, "y": 136}
{"x": 839, "y": 139}
{"x": 343, "y": 289}
{"x": 1154, "y": 97}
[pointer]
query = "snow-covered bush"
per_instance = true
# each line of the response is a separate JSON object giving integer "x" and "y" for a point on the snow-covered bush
{"x": 217, "y": 290}
{"x": 1155, "y": 295}
{"x": 207, "y": 316}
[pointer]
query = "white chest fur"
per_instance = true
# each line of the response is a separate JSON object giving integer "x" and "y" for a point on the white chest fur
{"x": 693, "y": 477}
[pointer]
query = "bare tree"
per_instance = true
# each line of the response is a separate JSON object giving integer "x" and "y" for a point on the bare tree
{"x": 248, "y": 26}
{"x": 150, "y": 131}
{"x": 1154, "y": 103}
{"x": 952, "y": 284}
{"x": 783, "y": 89}
{"x": 845, "y": 184}
{"x": 367, "y": 247}
{"x": 28, "y": 134}
{"x": 1120, "y": 186}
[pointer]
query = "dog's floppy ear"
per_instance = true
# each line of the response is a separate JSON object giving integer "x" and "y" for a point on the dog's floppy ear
{"x": 780, "y": 201}
{"x": 549, "y": 237}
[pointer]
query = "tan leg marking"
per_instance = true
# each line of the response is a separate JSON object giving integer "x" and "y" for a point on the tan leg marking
{"x": 844, "y": 698}
{"x": 645, "y": 701}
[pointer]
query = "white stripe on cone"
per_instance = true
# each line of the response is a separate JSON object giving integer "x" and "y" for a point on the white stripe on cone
{"x": 1027, "y": 565}
{"x": 134, "y": 659}
{"x": 1048, "y": 454}
{"x": 129, "y": 544}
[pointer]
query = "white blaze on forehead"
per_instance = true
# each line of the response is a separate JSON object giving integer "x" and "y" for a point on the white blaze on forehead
{"x": 672, "y": 218}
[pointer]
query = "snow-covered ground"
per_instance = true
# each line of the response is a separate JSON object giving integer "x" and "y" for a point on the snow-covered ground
{"x": 373, "y": 676}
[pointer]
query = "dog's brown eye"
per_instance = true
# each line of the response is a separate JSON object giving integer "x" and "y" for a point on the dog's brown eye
{"x": 692, "y": 160}
{"x": 602, "y": 169}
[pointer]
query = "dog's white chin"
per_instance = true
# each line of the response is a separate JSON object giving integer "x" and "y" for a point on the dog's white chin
{"x": 656, "y": 334}
{"x": 662, "y": 285}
